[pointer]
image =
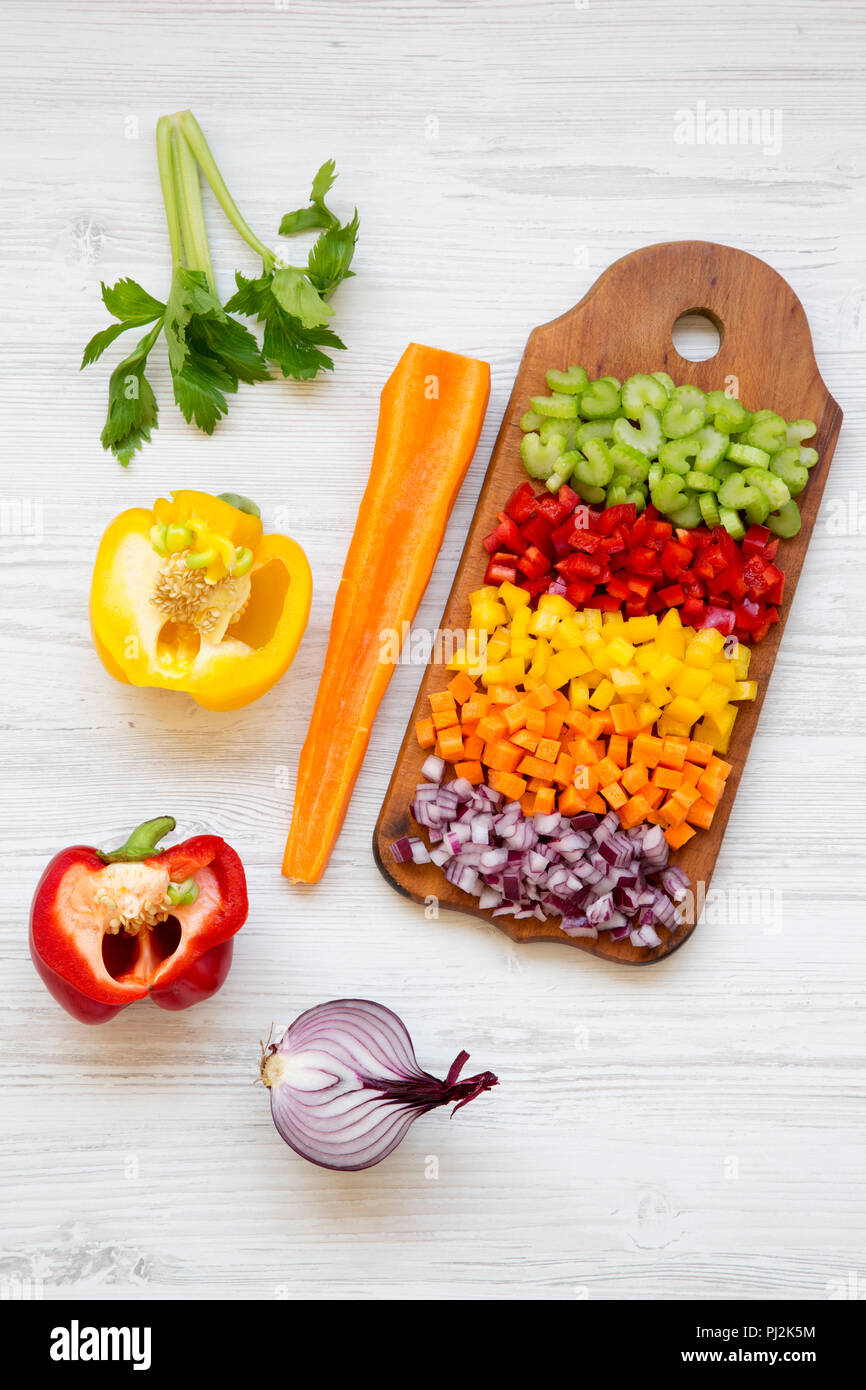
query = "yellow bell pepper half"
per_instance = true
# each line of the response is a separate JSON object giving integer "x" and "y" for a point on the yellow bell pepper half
{"x": 192, "y": 596}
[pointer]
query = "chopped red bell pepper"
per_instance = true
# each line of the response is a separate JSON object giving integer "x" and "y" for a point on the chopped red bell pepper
{"x": 613, "y": 558}
{"x": 108, "y": 929}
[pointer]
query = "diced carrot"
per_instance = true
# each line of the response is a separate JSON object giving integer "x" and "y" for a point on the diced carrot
{"x": 543, "y": 697}
{"x": 653, "y": 795}
{"x": 634, "y": 777}
{"x": 441, "y": 700}
{"x": 503, "y": 694}
{"x": 502, "y": 756}
{"x": 564, "y": 770}
{"x": 699, "y": 752}
{"x": 475, "y": 708}
{"x": 647, "y": 749}
{"x": 450, "y": 739}
{"x": 673, "y": 752}
{"x": 471, "y": 771}
{"x": 462, "y": 687}
{"x": 553, "y": 722}
{"x": 535, "y": 719}
{"x": 712, "y": 789}
{"x": 473, "y": 747}
{"x": 598, "y": 725}
{"x": 595, "y": 803}
{"x": 524, "y": 739}
{"x": 672, "y": 812}
{"x": 491, "y": 727}
{"x": 583, "y": 751}
{"x": 605, "y": 719}
{"x": 571, "y": 802}
{"x": 548, "y": 749}
{"x": 608, "y": 771}
{"x": 534, "y": 767}
{"x": 545, "y": 801}
{"x": 687, "y": 795}
{"x": 515, "y": 716}
{"x": 701, "y": 814}
{"x": 527, "y": 803}
{"x": 614, "y": 795}
{"x": 511, "y": 786}
{"x": 445, "y": 718}
{"x": 624, "y": 721}
{"x": 717, "y": 767}
{"x": 692, "y": 772}
{"x": 617, "y": 749}
{"x": 667, "y": 777}
{"x": 634, "y": 812}
{"x": 679, "y": 835}
{"x": 577, "y": 720}
{"x": 425, "y": 732}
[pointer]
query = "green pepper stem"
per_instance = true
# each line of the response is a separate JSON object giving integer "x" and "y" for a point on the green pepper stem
{"x": 142, "y": 842}
{"x": 194, "y": 136}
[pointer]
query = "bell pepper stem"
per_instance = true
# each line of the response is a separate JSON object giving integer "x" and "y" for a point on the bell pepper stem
{"x": 243, "y": 504}
{"x": 142, "y": 842}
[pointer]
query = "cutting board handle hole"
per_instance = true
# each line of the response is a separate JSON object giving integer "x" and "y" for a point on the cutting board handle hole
{"x": 697, "y": 335}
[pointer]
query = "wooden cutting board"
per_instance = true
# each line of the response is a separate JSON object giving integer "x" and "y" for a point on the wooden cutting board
{"x": 623, "y": 325}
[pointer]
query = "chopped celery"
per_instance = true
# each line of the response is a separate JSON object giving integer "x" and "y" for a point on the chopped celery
{"x": 714, "y": 445}
{"x": 596, "y": 469}
{"x": 631, "y": 462}
{"x": 731, "y": 417}
{"x": 601, "y": 398}
{"x": 787, "y": 466}
{"x": 808, "y": 457}
{"x": 786, "y": 522}
{"x": 702, "y": 482}
{"x": 562, "y": 471}
{"x": 666, "y": 381}
{"x": 709, "y": 509}
{"x": 748, "y": 455}
{"x": 569, "y": 383}
{"x": 593, "y": 429}
{"x": 555, "y": 407}
{"x": 647, "y": 438}
{"x": 675, "y": 454}
{"x": 530, "y": 420}
{"x": 767, "y": 431}
{"x": 758, "y": 511}
{"x": 684, "y": 413}
{"x": 735, "y": 492}
{"x": 732, "y": 523}
{"x": 770, "y": 485}
{"x": 564, "y": 428}
{"x": 539, "y": 459}
{"x": 642, "y": 390}
{"x": 798, "y": 430}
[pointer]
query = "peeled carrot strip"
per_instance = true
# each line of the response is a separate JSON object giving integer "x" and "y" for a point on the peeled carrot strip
{"x": 430, "y": 418}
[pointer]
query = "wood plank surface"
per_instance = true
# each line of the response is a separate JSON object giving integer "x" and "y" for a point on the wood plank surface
{"x": 691, "y": 1131}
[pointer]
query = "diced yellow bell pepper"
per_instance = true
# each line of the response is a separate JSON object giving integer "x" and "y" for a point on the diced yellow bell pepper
{"x": 498, "y": 646}
{"x": 603, "y": 696}
{"x": 514, "y": 598}
{"x": 488, "y": 614}
{"x": 627, "y": 681}
{"x": 684, "y": 710}
{"x": 691, "y": 681}
{"x": 745, "y": 690}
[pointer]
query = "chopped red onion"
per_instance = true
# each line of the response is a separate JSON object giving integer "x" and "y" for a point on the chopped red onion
{"x": 585, "y": 869}
{"x": 433, "y": 769}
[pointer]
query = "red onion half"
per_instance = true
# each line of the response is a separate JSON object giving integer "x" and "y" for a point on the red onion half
{"x": 345, "y": 1085}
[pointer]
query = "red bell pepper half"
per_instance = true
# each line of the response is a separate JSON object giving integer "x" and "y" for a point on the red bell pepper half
{"x": 107, "y": 929}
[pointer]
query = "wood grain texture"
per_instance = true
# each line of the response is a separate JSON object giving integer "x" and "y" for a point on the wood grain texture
{"x": 694, "y": 1131}
{"x": 622, "y": 326}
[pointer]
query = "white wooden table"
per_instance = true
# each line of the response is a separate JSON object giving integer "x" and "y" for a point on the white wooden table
{"x": 690, "y": 1130}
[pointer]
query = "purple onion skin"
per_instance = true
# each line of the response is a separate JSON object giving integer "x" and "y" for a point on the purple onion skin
{"x": 363, "y": 1050}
